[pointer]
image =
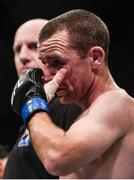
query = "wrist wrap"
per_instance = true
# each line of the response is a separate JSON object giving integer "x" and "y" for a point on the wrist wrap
{"x": 32, "y": 106}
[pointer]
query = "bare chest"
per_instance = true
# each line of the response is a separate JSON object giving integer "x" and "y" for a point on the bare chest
{"x": 117, "y": 162}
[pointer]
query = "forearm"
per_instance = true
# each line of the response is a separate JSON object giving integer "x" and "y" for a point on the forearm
{"x": 30, "y": 101}
{"x": 47, "y": 139}
{"x": 56, "y": 149}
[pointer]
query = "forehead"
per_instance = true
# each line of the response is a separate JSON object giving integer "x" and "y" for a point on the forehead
{"x": 57, "y": 41}
{"x": 28, "y": 33}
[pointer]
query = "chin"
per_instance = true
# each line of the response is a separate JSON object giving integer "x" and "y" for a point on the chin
{"x": 65, "y": 100}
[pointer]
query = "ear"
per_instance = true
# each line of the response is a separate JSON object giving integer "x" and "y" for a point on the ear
{"x": 97, "y": 56}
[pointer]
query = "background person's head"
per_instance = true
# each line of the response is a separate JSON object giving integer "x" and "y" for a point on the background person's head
{"x": 25, "y": 45}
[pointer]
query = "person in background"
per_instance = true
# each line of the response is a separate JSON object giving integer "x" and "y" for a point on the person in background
{"x": 23, "y": 162}
{"x": 74, "y": 49}
{"x": 4, "y": 150}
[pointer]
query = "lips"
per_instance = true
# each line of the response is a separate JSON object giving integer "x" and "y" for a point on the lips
{"x": 24, "y": 70}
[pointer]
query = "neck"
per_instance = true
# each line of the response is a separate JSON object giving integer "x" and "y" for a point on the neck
{"x": 99, "y": 85}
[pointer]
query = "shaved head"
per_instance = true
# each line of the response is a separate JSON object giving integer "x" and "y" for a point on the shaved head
{"x": 31, "y": 28}
{"x": 25, "y": 45}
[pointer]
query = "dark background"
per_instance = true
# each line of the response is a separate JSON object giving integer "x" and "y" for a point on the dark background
{"x": 118, "y": 15}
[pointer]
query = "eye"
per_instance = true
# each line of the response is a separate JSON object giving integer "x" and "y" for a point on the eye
{"x": 17, "y": 49}
{"x": 56, "y": 64}
{"x": 33, "y": 46}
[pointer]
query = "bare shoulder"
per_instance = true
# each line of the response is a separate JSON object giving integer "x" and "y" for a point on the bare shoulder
{"x": 115, "y": 98}
{"x": 114, "y": 107}
{"x": 110, "y": 117}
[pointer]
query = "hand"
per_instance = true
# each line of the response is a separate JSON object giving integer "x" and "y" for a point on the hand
{"x": 28, "y": 95}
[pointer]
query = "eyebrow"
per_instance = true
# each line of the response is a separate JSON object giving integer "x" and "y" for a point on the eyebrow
{"x": 51, "y": 56}
{"x": 29, "y": 43}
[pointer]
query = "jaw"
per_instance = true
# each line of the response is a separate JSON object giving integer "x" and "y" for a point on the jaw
{"x": 68, "y": 99}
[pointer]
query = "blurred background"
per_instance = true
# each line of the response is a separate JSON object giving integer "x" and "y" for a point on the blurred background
{"x": 118, "y": 15}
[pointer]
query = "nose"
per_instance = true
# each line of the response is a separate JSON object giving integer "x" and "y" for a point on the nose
{"x": 24, "y": 55}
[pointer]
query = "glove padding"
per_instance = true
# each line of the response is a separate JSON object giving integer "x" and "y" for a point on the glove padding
{"x": 28, "y": 95}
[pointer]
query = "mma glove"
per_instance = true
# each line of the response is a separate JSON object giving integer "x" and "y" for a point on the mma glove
{"x": 29, "y": 96}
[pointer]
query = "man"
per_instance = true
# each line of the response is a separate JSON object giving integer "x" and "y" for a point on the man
{"x": 23, "y": 162}
{"x": 74, "y": 50}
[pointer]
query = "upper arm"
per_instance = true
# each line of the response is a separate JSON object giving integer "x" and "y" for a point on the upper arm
{"x": 94, "y": 132}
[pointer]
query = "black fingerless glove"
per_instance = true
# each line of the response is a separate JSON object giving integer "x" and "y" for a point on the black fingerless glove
{"x": 29, "y": 95}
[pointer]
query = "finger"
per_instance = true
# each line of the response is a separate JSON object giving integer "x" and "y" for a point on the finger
{"x": 52, "y": 86}
{"x": 58, "y": 78}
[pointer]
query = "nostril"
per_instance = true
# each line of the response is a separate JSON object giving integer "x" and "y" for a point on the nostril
{"x": 25, "y": 61}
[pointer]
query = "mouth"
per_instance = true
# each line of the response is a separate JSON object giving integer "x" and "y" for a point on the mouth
{"x": 24, "y": 70}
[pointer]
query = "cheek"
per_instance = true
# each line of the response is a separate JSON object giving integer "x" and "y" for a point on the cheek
{"x": 48, "y": 72}
{"x": 16, "y": 61}
{"x": 74, "y": 77}
{"x": 34, "y": 58}
{"x": 71, "y": 84}
{"x": 38, "y": 63}
{"x": 17, "y": 64}
{"x": 75, "y": 82}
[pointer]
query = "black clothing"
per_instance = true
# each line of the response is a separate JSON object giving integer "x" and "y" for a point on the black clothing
{"x": 23, "y": 163}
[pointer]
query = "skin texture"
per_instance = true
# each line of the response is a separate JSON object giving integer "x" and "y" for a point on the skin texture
{"x": 99, "y": 144}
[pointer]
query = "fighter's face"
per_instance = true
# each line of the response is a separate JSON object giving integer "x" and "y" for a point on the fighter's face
{"x": 55, "y": 54}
